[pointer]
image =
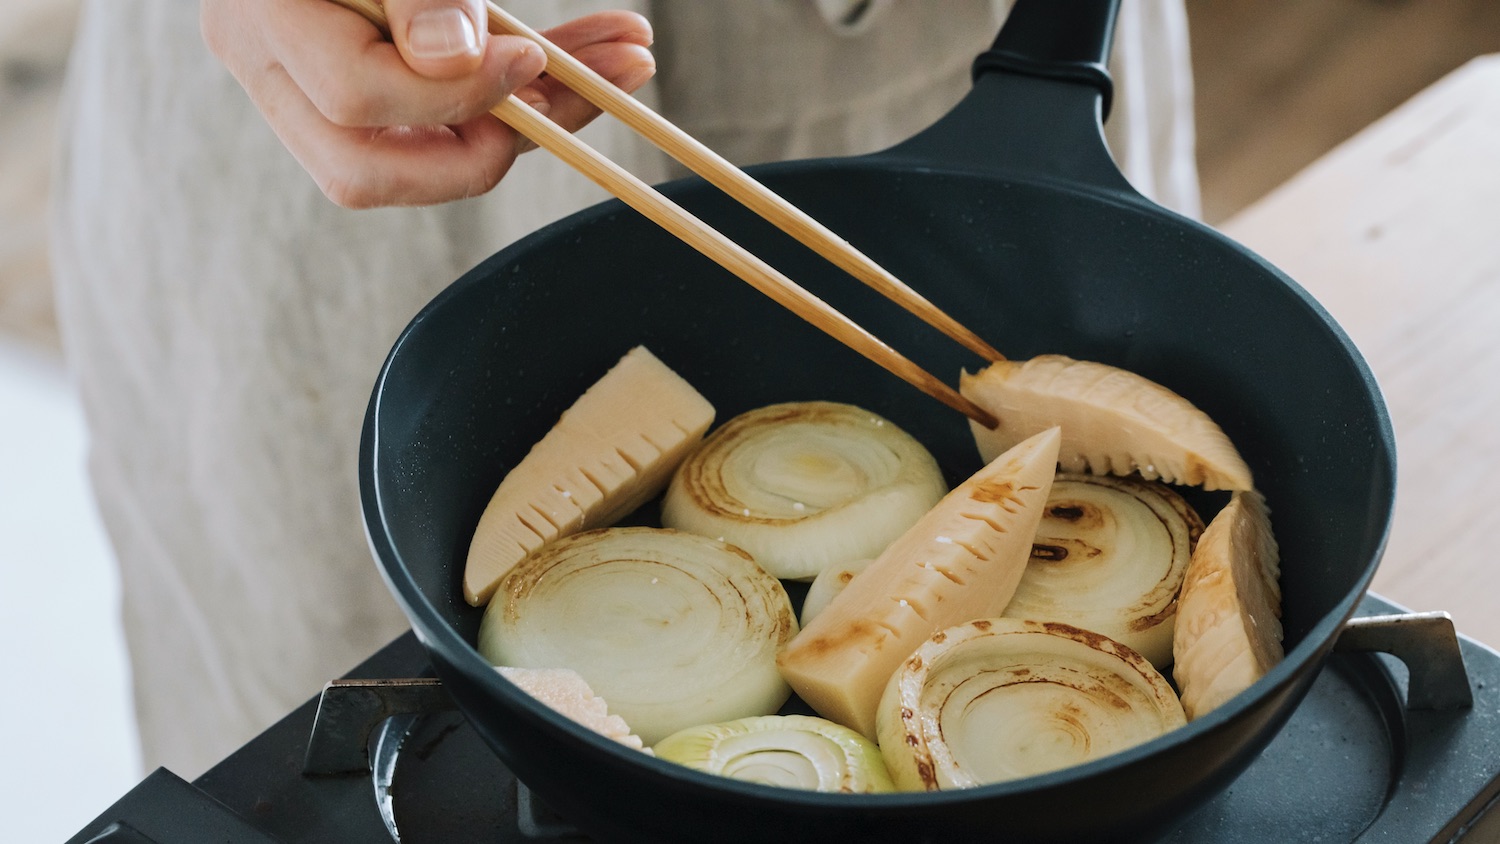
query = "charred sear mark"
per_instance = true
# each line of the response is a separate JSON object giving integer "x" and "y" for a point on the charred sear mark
{"x": 1194, "y": 471}
{"x": 739, "y": 552}
{"x": 1048, "y": 553}
{"x": 1064, "y": 550}
{"x": 786, "y": 627}
{"x": 860, "y": 631}
{"x": 924, "y": 773}
{"x": 1146, "y": 622}
{"x": 1088, "y": 637}
{"x": 1080, "y": 515}
{"x": 994, "y": 492}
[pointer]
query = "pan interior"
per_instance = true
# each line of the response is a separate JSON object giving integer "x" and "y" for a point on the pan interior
{"x": 487, "y": 368}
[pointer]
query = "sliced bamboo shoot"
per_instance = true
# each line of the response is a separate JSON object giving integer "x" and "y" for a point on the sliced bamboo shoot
{"x": 608, "y": 454}
{"x": 1229, "y": 614}
{"x": 999, "y": 699}
{"x": 826, "y": 585}
{"x": 1113, "y": 421}
{"x": 1109, "y": 556}
{"x": 565, "y": 691}
{"x": 960, "y": 561}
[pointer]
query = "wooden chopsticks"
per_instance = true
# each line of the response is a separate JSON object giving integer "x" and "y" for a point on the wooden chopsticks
{"x": 733, "y": 181}
{"x": 707, "y": 240}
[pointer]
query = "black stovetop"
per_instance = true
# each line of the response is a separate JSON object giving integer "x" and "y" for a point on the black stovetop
{"x": 1352, "y": 765}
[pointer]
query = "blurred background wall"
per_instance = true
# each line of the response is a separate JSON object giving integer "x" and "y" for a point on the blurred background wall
{"x": 1279, "y": 82}
{"x": 34, "y": 37}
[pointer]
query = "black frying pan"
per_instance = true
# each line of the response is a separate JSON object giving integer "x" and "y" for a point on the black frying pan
{"x": 1010, "y": 215}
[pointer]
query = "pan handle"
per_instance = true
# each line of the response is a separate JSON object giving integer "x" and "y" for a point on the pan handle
{"x": 1428, "y": 643}
{"x": 1039, "y": 100}
{"x": 1069, "y": 42}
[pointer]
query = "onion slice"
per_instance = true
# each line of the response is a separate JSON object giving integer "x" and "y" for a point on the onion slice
{"x": 792, "y": 751}
{"x": 672, "y": 629}
{"x": 804, "y": 485}
{"x": 1229, "y": 614}
{"x": 1000, "y": 699}
{"x": 1109, "y": 556}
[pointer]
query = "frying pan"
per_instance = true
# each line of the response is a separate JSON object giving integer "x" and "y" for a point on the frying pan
{"x": 1008, "y": 213}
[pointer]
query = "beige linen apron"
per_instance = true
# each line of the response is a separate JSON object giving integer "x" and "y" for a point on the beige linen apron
{"x": 225, "y": 321}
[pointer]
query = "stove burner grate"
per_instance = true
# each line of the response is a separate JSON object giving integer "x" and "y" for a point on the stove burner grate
{"x": 1374, "y": 753}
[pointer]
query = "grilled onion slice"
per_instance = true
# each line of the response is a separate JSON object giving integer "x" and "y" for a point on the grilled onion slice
{"x": 804, "y": 485}
{"x": 1000, "y": 699}
{"x": 792, "y": 751}
{"x": 1113, "y": 421}
{"x": 671, "y": 628}
{"x": 1229, "y": 615}
{"x": 1109, "y": 556}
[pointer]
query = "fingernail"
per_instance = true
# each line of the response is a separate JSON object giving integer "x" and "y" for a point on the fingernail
{"x": 516, "y": 73}
{"x": 442, "y": 34}
{"x": 542, "y": 106}
{"x": 636, "y": 78}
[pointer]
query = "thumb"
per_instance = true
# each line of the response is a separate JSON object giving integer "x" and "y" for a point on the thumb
{"x": 439, "y": 39}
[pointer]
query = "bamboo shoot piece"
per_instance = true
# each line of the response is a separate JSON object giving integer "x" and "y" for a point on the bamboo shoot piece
{"x": 959, "y": 562}
{"x": 609, "y": 453}
{"x": 1113, "y": 421}
{"x": 829, "y": 583}
{"x": 566, "y": 692}
{"x": 1229, "y": 614}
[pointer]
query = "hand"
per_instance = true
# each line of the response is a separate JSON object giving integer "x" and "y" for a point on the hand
{"x": 378, "y": 123}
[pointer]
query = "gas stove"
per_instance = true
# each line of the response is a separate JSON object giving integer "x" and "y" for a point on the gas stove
{"x": 1376, "y": 753}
